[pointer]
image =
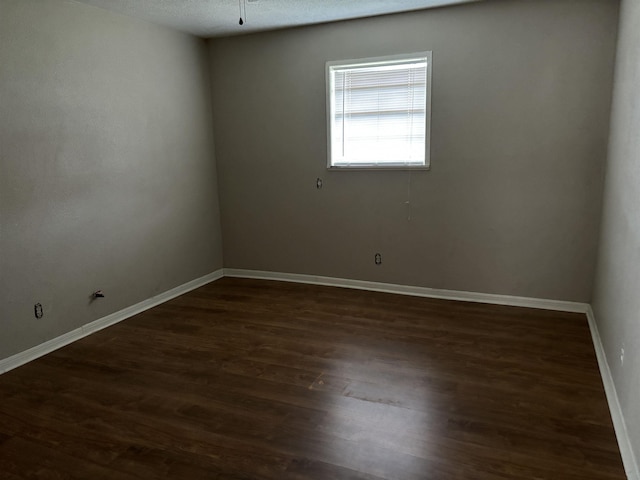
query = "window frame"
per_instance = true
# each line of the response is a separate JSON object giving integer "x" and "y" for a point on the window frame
{"x": 372, "y": 61}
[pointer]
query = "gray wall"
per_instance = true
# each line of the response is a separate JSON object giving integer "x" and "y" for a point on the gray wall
{"x": 521, "y": 101}
{"x": 107, "y": 172}
{"x": 616, "y": 299}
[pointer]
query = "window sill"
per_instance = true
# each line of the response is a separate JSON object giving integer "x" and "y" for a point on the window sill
{"x": 377, "y": 168}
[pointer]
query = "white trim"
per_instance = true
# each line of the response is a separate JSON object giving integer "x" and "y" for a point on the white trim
{"x": 26, "y": 356}
{"x": 619, "y": 425}
{"x": 383, "y": 61}
{"x": 624, "y": 443}
{"x": 545, "y": 304}
{"x": 49, "y": 346}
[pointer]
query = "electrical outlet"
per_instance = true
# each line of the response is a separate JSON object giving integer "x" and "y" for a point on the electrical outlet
{"x": 378, "y": 258}
{"x": 622, "y": 355}
{"x": 37, "y": 310}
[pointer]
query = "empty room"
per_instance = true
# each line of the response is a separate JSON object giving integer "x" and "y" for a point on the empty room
{"x": 320, "y": 239}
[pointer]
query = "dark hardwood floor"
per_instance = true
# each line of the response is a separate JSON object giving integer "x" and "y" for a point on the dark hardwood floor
{"x": 249, "y": 379}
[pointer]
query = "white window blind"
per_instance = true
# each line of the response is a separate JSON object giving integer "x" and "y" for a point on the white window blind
{"x": 378, "y": 112}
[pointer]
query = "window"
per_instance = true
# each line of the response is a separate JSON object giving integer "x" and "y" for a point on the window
{"x": 378, "y": 112}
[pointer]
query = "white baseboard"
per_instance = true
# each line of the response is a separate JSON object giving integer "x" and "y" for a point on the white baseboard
{"x": 39, "y": 350}
{"x": 545, "y": 304}
{"x": 624, "y": 443}
{"x": 628, "y": 457}
{"x": 619, "y": 424}
{"x": 49, "y": 346}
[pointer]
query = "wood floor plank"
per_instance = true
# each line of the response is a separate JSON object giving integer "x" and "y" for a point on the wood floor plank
{"x": 22, "y": 458}
{"x": 251, "y": 379}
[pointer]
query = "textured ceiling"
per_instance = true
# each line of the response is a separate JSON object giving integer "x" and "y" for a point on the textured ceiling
{"x": 216, "y": 18}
